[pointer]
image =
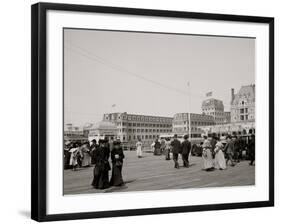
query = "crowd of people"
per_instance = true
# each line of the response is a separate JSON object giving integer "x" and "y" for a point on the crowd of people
{"x": 97, "y": 155}
{"x": 216, "y": 154}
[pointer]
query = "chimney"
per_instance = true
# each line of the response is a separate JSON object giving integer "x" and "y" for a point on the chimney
{"x": 232, "y": 95}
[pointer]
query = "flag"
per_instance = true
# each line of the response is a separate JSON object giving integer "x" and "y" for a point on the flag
{"x": 113, "y": 105}
{"x": 208, "y": 94}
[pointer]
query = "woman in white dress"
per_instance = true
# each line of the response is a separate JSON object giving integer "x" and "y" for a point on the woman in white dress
{"x": 139, "y": 148}
{"x": 219, "y": 156}
{"x": 208, "y": 163}
{"x": 74, "y": 156}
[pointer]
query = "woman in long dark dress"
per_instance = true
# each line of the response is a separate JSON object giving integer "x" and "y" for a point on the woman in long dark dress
{"x": 101, "y": 178}
{"x": 117, "y": 157}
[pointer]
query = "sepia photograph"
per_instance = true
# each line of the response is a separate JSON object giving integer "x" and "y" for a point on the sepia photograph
{"x": 147, "y": 111}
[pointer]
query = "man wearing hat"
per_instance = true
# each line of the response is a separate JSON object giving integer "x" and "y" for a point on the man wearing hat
{"x": 252, "y": 149}
{"x": 186, "y": 147}
{"x": 102, "y": 167}
{"x": 229, "y": 150}
{"x": 176, "y": 149}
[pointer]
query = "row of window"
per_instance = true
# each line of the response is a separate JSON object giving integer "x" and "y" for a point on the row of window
{"x": 196, "y": 123}
{"x": 145, "y": 130}
{"x": 244, "y": 110}
{"x": 186, "y": 129}
{"x": 144, "y": 125}
{"x": 136, "y": 118}
{"x": 245, "y": 117}
{"x": 216, "y": 113}
{"x": 136, "y": 137}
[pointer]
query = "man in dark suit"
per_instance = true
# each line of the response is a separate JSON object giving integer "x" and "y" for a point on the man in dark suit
{"x": 252, "y": 149}
{"x": 213, "y": 144}
{"x": 229, "y": 150}
{"x": 176, "y": 149}
{"x": 185, "y": 147}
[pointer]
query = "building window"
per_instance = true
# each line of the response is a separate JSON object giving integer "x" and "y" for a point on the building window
{"x": 242, "y": 117}
{"x": 241, "y": 111}
{"x": 246, "y": 117}
{"x": 246, "y": 110}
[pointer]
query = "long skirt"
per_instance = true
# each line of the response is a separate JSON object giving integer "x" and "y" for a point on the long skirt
{"x": 167, "y": 153}
{"x": 116, "y": 178}
{"x": 73, "y": 160}
{"x": 86, "y": 159}
{"x": 220, "y": 160}
{"x": 101, "y": 178}
{"x": 139, "y": 152}
{"x": 207, "y": 159}
{"x": 157, "y": 151}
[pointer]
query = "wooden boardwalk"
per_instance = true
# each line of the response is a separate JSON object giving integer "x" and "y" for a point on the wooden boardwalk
{"x": 155, "y": 173}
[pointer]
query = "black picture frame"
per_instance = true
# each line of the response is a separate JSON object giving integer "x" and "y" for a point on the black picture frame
{"x": 39, "y": 107}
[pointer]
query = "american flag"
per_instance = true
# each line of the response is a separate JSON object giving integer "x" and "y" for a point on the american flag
{"x": 208, "y": 94}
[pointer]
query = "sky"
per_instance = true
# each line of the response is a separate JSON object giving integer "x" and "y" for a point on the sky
{"x": 149, "y": 73}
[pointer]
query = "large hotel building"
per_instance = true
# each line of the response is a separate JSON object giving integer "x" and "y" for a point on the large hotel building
{"x": 181, "y": 123}
{"x": 215, "y": 108}
{"x": 242, "y": 113}
{"x": 243, "y": 105}
{"x": 130, "y": 127}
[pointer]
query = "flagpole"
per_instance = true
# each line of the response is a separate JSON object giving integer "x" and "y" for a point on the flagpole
{"x": 189, "y": 109}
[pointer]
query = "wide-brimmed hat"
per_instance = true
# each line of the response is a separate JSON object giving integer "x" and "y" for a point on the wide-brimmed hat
{"x": 102, "y": 141}
{"x": 117, "y": 142}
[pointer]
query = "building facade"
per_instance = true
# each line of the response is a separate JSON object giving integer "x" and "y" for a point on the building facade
{"x": 227, "y": 117}
{"x": 181, "y": 123}
{"x": 130, "y": 127}
{"x": 243, "y": 105}
{"x": 215, "y": 108}
{"x": 74, "y": 133}
{"x": 101, "y": 130}
{"x": 242, "y": 128}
